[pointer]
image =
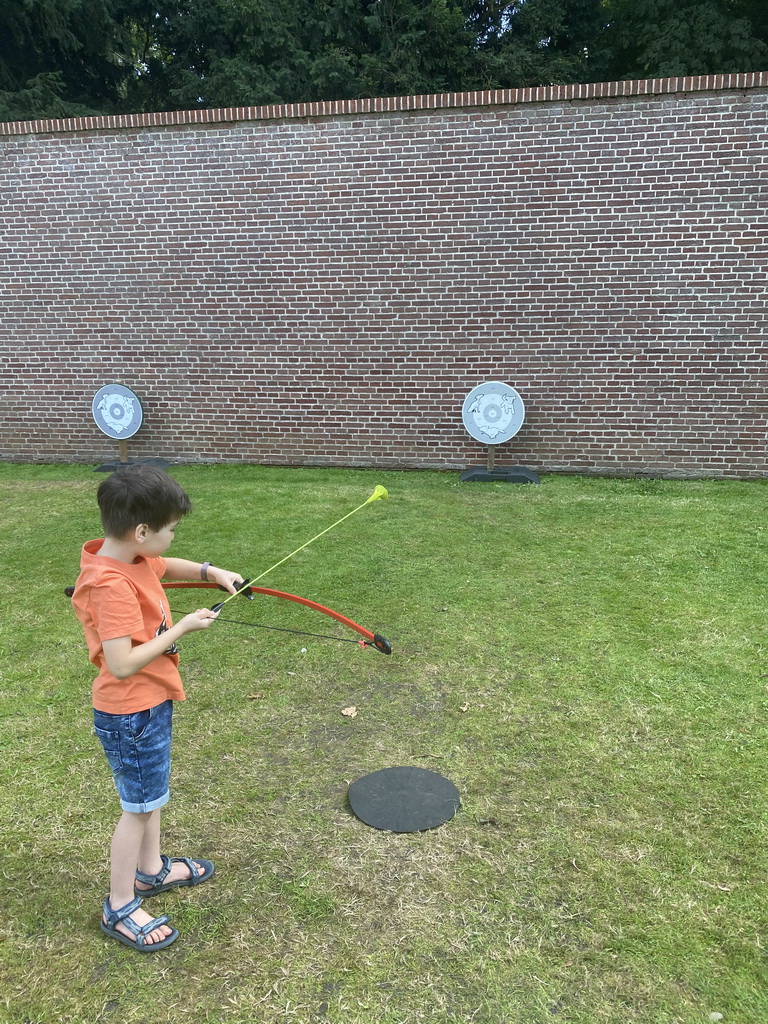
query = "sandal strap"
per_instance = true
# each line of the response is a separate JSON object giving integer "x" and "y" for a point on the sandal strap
{"x": 156, "y": 880}
{"x": 113, "y": 916}
{"x": 142, "y": 932}
{"x": 193, "y": 873}
{"x": 122, "y": 915}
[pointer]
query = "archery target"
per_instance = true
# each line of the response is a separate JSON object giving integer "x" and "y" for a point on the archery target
{"x": 117, "y": 411}
{"x": 493, "y": 412}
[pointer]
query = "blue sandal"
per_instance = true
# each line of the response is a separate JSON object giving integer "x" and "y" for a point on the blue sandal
{"x": 141, "y": 932}
{"x": 158, "y": 883}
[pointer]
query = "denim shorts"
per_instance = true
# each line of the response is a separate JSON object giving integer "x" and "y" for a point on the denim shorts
{"x": 138, "y": 748}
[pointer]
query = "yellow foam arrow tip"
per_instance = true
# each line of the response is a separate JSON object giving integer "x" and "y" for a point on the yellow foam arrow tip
{"x": 379, "y": 492}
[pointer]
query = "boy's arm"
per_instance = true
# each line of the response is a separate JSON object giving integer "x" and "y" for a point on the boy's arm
{"x": 123, "y": 659}
{"x": 182, "y": 569}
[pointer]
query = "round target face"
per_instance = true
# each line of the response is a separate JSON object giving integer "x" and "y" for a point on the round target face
{"x": 117, "y": 411}
{"x": 493, "y": 412}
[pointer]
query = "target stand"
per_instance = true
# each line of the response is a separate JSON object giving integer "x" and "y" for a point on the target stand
{"x": 493, "y": 413}
{"x": 118, "y": 414}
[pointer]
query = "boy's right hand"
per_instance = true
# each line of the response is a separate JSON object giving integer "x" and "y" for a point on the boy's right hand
{"x": 123, "y": 659}
{"x": 201, "y": 619}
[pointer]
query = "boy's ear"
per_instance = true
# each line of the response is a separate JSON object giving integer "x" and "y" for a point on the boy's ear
{"x": 140, "y": 533}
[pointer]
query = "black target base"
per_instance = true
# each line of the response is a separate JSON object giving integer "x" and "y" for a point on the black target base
{"x": 404, "y": 799}
{"x": 506, "y": 474}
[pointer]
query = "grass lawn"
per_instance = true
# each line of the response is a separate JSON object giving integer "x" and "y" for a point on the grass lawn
{"x": 583, "y": 659}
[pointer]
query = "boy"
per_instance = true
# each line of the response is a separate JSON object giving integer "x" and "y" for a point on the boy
{"x": 132, "y": 640}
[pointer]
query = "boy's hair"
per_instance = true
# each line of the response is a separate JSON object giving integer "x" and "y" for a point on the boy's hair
{"x": 140, "y": 494}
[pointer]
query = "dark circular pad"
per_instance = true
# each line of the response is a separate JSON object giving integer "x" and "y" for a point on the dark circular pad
{"x": 404, "y": 799}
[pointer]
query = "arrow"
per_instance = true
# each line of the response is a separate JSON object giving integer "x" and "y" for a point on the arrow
{"x": 379, "y": 492}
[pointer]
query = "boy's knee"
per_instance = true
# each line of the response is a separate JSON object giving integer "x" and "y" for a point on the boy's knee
{"x": 139, "y": 817}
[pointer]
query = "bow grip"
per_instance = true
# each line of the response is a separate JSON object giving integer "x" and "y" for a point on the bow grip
{"x": 243, "y": 590}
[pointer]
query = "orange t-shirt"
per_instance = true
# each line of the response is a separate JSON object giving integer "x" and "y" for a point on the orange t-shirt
{"x": 114, "y": 599}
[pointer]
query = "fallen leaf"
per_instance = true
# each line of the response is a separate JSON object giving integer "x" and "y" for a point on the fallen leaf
{"x": 464, "y": 707}
{"x": 255, "y": 696}
{"x": 350, "y": 712}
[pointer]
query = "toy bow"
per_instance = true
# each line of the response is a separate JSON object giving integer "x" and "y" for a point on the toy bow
{"x": 247, "y": 589}
{"x": 370, "y": 639}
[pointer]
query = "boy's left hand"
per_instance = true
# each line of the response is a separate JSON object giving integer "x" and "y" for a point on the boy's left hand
{"x": 230, "y": 581}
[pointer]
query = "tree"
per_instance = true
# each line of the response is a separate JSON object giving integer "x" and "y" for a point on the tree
{"x": 68, "y": 57}
{"x": 535, "y": 42}
{"x": 415, "y": 47}
{"x": 56, "y": 58}
{"x": 266, "y": 51}
{"x": 665, "y": 38}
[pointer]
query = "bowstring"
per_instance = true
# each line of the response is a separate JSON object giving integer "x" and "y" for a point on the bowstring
{"x": 281, "y": 629}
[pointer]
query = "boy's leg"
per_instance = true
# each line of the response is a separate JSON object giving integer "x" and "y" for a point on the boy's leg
{"x": 150, "y": 862}
{"x": 149, "y": 853}
{"x": 127, "y": 842}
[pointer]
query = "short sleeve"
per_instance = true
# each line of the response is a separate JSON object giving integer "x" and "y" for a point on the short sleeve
{"x": 116, "y": 610}
{"x": 158, "y": 566}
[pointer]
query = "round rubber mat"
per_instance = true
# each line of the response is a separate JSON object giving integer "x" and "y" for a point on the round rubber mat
{"x": 404, "y": 799}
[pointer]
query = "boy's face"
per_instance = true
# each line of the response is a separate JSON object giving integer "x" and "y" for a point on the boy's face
{"x": 155, "y": 542}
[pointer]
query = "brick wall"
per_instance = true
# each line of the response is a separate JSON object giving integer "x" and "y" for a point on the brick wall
{"x": 322, "y": 284}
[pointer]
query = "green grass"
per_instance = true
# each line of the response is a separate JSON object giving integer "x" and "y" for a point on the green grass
{"x": 585, "y": 661}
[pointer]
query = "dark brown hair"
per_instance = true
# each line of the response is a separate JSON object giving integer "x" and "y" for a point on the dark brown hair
{"x": 140, "y": 494}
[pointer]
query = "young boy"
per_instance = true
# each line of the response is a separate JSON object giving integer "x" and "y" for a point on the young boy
{"x": 132, "y": 640}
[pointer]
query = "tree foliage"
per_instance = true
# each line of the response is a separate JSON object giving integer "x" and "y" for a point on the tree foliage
{"x": 70, "y": 57}
{"x": 663, "y": 38}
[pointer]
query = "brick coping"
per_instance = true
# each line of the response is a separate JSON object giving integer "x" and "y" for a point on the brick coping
{"x": 389, "y": 104}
